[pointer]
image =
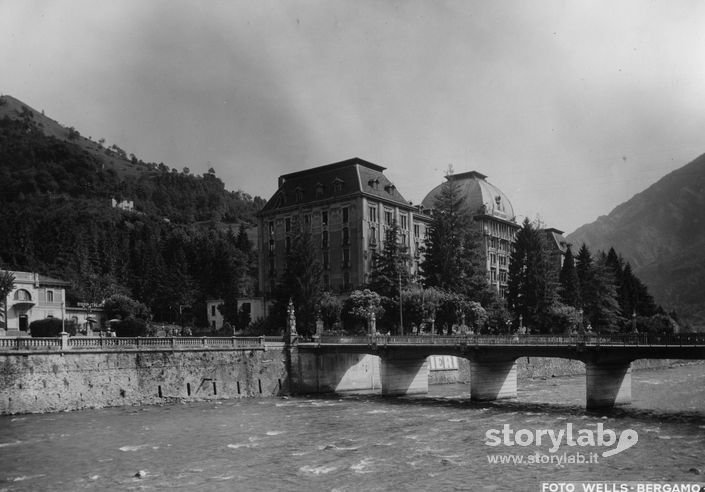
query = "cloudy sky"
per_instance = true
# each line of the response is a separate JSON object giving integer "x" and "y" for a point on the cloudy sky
{"x": 570, "y": 107}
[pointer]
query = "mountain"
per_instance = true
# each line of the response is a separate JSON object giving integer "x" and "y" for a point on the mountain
{"x": 661, "y": 232}
{"x": 76, "y": 210}
{"x": 111, "y": 157}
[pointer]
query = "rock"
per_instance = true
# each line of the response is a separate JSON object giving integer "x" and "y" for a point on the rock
{"x": 695, "y": 471}
{"x": 141, "y": 474}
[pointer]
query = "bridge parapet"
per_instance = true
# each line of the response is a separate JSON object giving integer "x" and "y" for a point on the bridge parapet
{"x": 681, "y": 340}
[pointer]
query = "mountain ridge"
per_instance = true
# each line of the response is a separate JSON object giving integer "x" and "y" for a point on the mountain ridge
{"x": 661, "y": 233}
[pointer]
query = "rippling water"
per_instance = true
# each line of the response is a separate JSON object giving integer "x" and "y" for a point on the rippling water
{"x": 355, "y": 442}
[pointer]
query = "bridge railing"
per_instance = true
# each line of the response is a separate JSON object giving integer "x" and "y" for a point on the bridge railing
{"x": 678, "y": 340}
{"x": 132, "y": 343}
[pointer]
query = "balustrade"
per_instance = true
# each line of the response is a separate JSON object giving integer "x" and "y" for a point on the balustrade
{"x": 133, "y": 343}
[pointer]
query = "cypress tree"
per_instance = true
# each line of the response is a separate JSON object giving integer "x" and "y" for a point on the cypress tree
{"x": 570, "y": 284}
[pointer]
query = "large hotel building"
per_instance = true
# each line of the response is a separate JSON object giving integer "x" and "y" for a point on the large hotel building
{"x": 347, "y": 206}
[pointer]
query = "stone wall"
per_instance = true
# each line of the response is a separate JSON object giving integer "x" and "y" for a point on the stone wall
{"x": 47, "y": 382}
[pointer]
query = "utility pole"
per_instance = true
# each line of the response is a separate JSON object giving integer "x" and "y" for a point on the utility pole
{"x": 401, "y": 315}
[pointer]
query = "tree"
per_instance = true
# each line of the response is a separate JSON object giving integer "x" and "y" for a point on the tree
{"x": 120, "y": 306}
{"x": 599, "y": 292}
{"x": 300, "y": 282}
{"x": 441, "y": 266}
{"x": 242, "y": 242}
{"x": 390, "y": 274}
{"x": 7, "y": 283}
{"x": 359, "y": 308}
{"x": 569, "y": 282}
{"x": 390, "y": 268}
{"x": 330, "y": 309}
{"x": 454, "y": 256}
{"x": 532, "y": 284}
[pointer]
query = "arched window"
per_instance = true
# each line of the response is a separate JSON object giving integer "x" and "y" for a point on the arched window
{"x": 23, "y": 295}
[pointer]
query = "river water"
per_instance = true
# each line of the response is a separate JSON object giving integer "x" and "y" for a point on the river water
{"x": 360, "y": 442}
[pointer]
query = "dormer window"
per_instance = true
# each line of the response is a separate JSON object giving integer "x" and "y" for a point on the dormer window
{"x": 337, "y": 185}
{"x": 299, "y": 194}
{"x": 373, "y": 183}
{"x": 390, "y": 188}
{"x": 319, "y": 190}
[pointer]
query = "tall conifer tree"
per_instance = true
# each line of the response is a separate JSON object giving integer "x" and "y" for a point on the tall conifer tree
{"x": 570, "y": 284}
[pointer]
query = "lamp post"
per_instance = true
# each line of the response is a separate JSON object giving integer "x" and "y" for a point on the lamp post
{"x": 401, "y": 315}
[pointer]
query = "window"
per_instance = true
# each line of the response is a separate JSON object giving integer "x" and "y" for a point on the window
{"x": 324, "y": 218}
{"x": 493, "y": 259}
{"x": 299, "y": 195}
{"x": 271, "y": 227}
{"x": 346, "y": 258}
{"x": 326, "y": 260}
{"x": 271, "y": 246}
{"x": 326, "y": 282}
{"x": 372, "y": 213}
{"x": 307, "y": 220}
{"x": 404, "y": 219}
{"x": 337, "y": 185}
{"x": 346, "y": 280}
{"x": 288, "y": 245}
{"x": 346, "y": 215}
{"x": 319, "y": 190}
{"x": 272, "y": 270}
{"x": 213, "y": 310}
{"x": 50, "y": 296}
{"x": 388, "y": 217}
{"x": 324, "y": 240}
{"x": 287, "y": 225}
{"x": 346, "y": 236}
{"x": 23, "y": 295}
{"x": 373, "y": 235}
{"x": 417, "y": 230}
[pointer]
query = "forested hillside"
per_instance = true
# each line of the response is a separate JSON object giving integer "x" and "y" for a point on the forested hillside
{"x": 185, "y": 240}
{"x": 661, "y": 232}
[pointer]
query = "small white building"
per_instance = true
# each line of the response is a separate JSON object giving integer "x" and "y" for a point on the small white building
{"x": 255, "y": 306}
{"x": 33, "y": 297}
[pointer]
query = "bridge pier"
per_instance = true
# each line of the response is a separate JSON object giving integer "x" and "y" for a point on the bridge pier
{"x": 495, "y": 380}
{"x": 608, "y": 384}
{"x": 403, "y": 376}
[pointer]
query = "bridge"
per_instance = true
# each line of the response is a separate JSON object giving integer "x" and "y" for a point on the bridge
{"x": 403, "y": 368}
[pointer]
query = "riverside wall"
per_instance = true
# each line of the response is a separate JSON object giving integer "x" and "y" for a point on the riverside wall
{"x": 32, "y": 382}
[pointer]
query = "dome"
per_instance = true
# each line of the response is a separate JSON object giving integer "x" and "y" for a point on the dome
{"x": 479, "y": 196}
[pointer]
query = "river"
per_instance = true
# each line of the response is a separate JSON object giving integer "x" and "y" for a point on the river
{"x": 361, "y": 442}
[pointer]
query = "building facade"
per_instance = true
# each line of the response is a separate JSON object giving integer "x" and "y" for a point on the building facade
{"x": 491, "y": 209}
{"x": 33, "y": 297}
{"x": 346, "y": 207}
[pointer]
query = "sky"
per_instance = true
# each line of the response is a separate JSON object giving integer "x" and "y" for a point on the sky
{"x": 569, "y": 107}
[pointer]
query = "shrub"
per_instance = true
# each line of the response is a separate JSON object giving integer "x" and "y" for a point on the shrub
{"x": 131, "y": 327}
{"x": 49, "y": 327}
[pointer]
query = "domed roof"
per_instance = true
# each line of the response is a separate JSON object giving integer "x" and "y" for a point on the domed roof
{"x": 479, "y": 196}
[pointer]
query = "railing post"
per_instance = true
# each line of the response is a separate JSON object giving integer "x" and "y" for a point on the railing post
{"x": 64, "y": 340}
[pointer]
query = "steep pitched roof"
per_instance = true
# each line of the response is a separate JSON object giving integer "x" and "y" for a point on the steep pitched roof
{"x": 333, "y": 181}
